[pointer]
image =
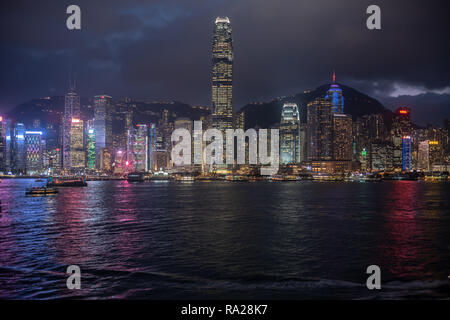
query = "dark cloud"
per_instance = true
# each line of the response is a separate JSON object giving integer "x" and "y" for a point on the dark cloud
{"x": 161, "y": 49}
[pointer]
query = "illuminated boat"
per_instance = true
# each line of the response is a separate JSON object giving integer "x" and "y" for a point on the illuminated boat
{"x": 40, "y": 191}
{"x": 66, "y": 182}
{"x": 136, "y": 177}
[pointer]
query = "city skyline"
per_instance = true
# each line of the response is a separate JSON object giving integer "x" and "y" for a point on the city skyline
{"x": 295, "y": 70}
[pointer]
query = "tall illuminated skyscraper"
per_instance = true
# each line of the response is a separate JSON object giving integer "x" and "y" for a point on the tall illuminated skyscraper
{"x": 222, "y": 74}
{"x": 140, "y": 148}
{"x": 33, "y": 146}
{"x": 401, "y": 139}
{"x": 18, "y": 155}
{"x": 90, "y": 145}
{"x": 77, "y": 155}
{"x": 336, "y": 97}
{"x": 71, "y": 110}
{"x": 102, "y": 128}
{"x": 320, "y": 131}
{"x": 342, "y": 136}
{"x": 290, "y": 134}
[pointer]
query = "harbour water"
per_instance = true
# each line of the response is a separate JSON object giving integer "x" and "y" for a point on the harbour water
{"x": 222, "y": 240}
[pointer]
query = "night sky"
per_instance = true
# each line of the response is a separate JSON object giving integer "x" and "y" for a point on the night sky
{"x": 161, "y": 50}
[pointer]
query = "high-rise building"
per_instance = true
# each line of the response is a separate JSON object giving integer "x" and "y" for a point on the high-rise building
{"x": 71, "y": 110}
{"x": 18, "y": 148}
{"x": 319, "y": 119}
{"x": 406, "y": 153}
{"x": 77, "y": 155}
{"x": 401, "y": 127}
{"x": 334, "y": 94}
{"x": 90, "y": 145}
{"x": 140, "y": 148}
{"x": 152, "y": 146}
{"x": 3, "y": 144}
{"x": 33, "y": 146}
{"x": 222, "y": 74}
{"x": 290, "y": 134}
{"x": 342, "y": 136}
{"x": 103, "y": 110}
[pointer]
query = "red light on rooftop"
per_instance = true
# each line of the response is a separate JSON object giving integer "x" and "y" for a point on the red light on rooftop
{"x": 103, "y": 97}
{"x": 57, "y": 149}
{"x": 403, "y": 112}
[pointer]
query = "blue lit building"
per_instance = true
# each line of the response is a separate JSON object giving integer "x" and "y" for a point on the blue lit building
{"x": 18, "y": 154}
{"x": 334, "y": 94}
{"x": 407, "y": 160}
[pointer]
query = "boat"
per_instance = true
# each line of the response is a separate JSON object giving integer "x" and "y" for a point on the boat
{"x": 136, "y": 177}
{"x": 40, "y": 191}
{"x": 66, "y": 182}
{"x": 39, "y": 180}
{"x": 160, "y": 175}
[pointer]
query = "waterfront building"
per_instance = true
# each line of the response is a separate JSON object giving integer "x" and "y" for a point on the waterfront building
{"x": 77, "y": 154}
{"x": 71, "y": 110}
{"x": 140, "y": 148}
{"x": 3, "y": 144}
{"x": 319, "y": 132}
{"x": 33, "y": 147}
{"x": 90, "y": 145}
{"x": 222, "y": 74}
{"x": 103, "y": 110}
{"x": 18, "y": 149}
{"x": 290, "y": 134}
{"x": 342, "y": 136}
{"x": 401, "y": 129}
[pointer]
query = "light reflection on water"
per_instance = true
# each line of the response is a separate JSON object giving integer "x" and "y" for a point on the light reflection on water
{"x": 221, "y": 239}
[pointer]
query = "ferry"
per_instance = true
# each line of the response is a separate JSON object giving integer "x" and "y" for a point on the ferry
{"x": 40, "y": 191}
{"x": 66, "y": 182}
{"x": 160, "y": 175}
{"x": 136, "y": 177}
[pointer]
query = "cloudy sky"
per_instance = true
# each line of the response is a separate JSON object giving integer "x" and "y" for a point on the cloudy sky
{"x": 161, "y": 50}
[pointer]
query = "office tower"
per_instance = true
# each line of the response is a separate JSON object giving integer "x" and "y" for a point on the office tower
{"x": 222, "y": 74}
{"x": 334, "y": 94}
{"x": 319, "y": 119}
{"x": 18, "y": 149}
{"x": 71, "y": 110}
{"x": 290, "y": 134}
{"x": 77, "y": 155}
{"x": 3, "y": 144}
{"x": 401, "y": 127}
{"x": 140, "y": 148}
{"x": 380, "y": 156}
{"x": 90, "y": 145}
{"x": 303, "y": 142}
{"x": 103, "y": 110}
{"x": 152, "y": 149}
{"x": 239, "y": 120}
{"x": 406, "y": 153}
{"x": 33, "y": 147}
{"x": 342, "y": 136}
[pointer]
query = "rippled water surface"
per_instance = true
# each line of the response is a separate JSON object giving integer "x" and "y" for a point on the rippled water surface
{"x": 167, "y": 240}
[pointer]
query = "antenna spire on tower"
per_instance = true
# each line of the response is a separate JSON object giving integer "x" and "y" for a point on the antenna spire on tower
{"x": 334, "y": 76}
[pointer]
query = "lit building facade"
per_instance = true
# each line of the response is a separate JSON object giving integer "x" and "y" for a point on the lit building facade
{"x": 90, "y": 145}
{"x": 33, "y": 145}
{"x": 222, "y": 74}
{"x": 71, "y": 110}
{"x": 140, "y": 148}
{"x": 319, "y": 119}
{"x": 103, "y": 110}
{"x": 77, "y": 155}
{"x": 290, "y": 134}
{"x": 342, "y": 136}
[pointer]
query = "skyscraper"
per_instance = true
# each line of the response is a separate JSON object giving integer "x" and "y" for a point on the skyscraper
{"x": 18, "y": 149}
{"x": 102, "y": 128}
{"x": 77, "y": 155}
{"x": 90, "y": 145}
{"x": 342, "y": 136}
{"x": 3, "y": 144}
{"x": 71, "y": 110}
{"x": 319, "y": 116}
{"x": 401, "y": 138}
{"x": 33, "y": 147}
{"x": 140, "y": 148}
{"x": 290, "y": 134}
{"x": 222, "y": 74}
{"x": 336, "y": 97}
